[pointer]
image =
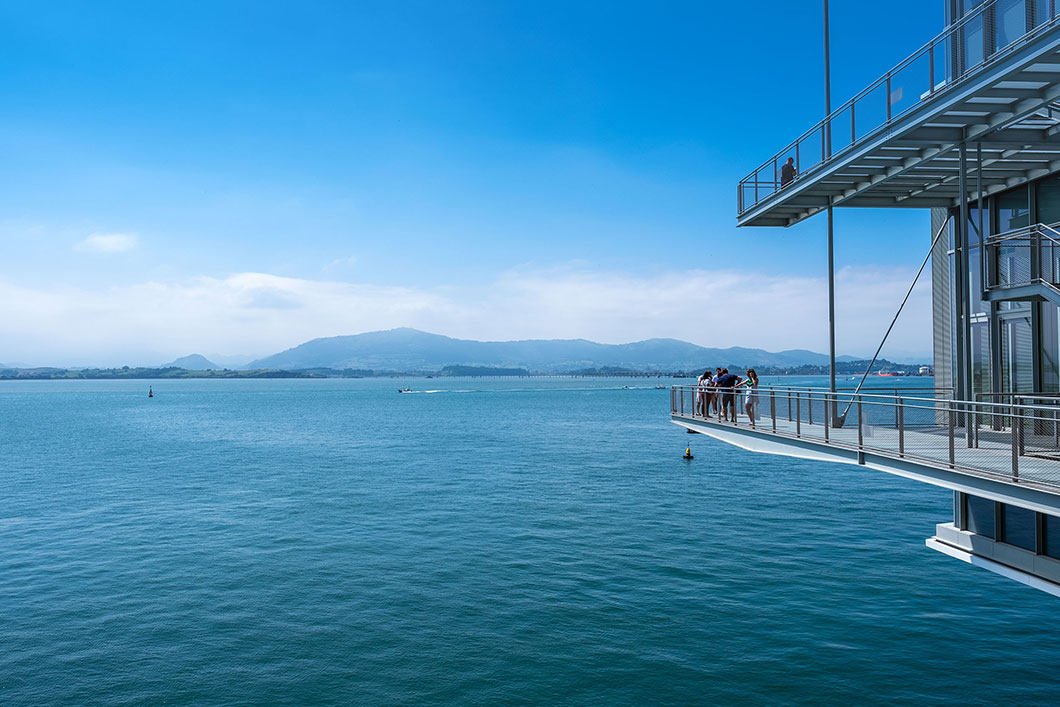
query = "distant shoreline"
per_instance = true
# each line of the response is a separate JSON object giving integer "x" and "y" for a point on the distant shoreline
{"x": 851, "y": 368}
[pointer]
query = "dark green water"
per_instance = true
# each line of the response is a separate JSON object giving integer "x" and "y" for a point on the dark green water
{"x": 333, "y": 542}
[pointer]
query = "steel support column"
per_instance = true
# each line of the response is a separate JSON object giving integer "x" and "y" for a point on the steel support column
{"x": 965, "y": 291}
{"x": 834, "y": 417}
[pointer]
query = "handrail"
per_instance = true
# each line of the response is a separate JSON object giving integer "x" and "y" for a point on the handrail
{"x": 1025, "y": 231}
{"x": 936, "y": 85}
{"x": 889, "y": 399}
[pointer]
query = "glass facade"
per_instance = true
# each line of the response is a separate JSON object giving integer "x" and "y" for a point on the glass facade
{"x": 999, "y": 26}
{"x": 1012, "y": 345}
{"x": 1012, "y": 525}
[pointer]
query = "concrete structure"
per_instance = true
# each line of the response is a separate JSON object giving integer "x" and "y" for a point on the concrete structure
{"x": 968, "y": 127}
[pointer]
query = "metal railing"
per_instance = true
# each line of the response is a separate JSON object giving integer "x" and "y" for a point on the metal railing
{"x": 1016, "y": 439}
{"x": 978, "y": 39}
{"x": 1023, "y": 256}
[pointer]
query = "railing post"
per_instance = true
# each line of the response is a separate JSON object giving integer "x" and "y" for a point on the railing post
{"x": 1023, "y": 430}
{"x": 809, "y": 407}
{"x": 952, "y": 425}
{"x": 773, "y": 408}
{"x": 861, "y": 428}
{"x": 931, "y": 68}
{"x": 900, "y": 414}
{"x": 673, "y": 407}
{"x": 1015, "y": 446}
{"x": 827, "y": 422}
{"x": 798, "y": 416}
{"x": 896, "y": 418}
{"x": 789, "y": 404}
{"x": 682, "y": 391}
{"x": 853, "y": 125}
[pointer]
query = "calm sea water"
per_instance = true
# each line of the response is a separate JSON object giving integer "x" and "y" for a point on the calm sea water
{"x": 497, "y": 541}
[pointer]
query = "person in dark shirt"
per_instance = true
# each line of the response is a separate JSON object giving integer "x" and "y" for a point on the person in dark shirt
{"x": 727, "y": 382}
{"x": 787, "y": 172}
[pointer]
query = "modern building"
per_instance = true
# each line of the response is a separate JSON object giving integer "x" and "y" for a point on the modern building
{"x": 967, "y": 127}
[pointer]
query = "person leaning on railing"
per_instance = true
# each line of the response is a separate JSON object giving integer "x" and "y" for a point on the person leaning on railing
{"x": 727, "y": 382}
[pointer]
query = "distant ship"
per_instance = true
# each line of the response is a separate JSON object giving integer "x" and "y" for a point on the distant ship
{"x": 888, "y": 373}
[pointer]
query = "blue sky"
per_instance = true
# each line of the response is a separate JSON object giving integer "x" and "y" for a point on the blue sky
{"x": 238, "y": 177}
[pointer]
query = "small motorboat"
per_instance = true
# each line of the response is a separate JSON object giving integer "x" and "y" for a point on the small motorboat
{"x": 404, "y": 390}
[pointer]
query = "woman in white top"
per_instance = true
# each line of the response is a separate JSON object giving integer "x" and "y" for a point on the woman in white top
{"x": 751, "y": 402}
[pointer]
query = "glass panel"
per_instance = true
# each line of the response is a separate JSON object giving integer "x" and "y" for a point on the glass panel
{"x": 1017, "y": 356}
{"x": 975, "y": 283}
{"x": 1013, "y": 209}
{"x": 971, "y": 43}
{"x": 1050, "y": 349}
{"x": 1052, "y": 536}
{"x": 1041, "y": 11}
{"x": 980, "y": 516}
{"x": 973, "y": 225}
{"x": 980, "y": 340}
{"x": 1049, "y": 200}
{"x": 1010, "y": 22}
{"x": 1019, "y": 527}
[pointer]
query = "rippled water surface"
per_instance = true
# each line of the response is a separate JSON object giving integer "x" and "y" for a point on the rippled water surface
{"x": 523, "y": 541}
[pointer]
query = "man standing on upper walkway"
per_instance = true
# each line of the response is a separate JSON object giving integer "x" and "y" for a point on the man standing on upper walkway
{"x": 787, "y": 172}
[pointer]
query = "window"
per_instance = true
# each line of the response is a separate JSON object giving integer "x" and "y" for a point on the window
{"x": 1013, "y": 209}
{"x": 1017, "y": 355}
{"x": 1049, "y": 200}
{"x": 1020, "y": 529}
{"x": 1052, "y": 536}
{"x": 980, "y": 516}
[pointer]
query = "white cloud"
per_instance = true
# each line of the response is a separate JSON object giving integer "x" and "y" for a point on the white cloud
{"x": 108, "y": 243}
{"x": 347, "y": 262}
{"x": 256, "y": 312}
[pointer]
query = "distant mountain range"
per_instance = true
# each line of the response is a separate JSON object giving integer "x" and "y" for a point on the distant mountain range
{"x": 194, "y": 362}
{"x": 413, "y": 350}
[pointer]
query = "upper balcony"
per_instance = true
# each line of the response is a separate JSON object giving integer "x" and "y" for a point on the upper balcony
{"x": 991, "y": 80}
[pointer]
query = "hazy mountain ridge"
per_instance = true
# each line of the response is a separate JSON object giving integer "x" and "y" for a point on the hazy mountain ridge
{"x": 193, "y": 362}
{"x": 411, "y": 349}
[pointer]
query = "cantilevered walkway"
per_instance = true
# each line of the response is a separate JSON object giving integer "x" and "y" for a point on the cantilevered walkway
{"x": 1009, "y": 451}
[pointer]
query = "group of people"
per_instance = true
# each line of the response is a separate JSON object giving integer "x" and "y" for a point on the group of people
{"x": 717, "y": 393}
